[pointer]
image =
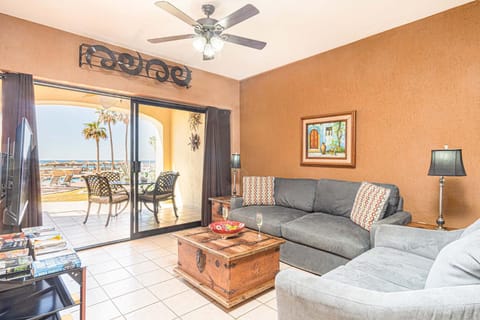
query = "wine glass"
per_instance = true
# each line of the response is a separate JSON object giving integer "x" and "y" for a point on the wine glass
{"x": 259, "y": 221}
{"x": 225, "y": 213}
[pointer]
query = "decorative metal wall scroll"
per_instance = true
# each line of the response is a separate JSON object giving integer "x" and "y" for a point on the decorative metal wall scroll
{"x": 102, "y": 57}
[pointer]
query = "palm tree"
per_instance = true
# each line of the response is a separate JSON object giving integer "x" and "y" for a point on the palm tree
{"x": 93, "y": 130}
{"x": 109, "y": 117}
{"x": 125, "y": 119}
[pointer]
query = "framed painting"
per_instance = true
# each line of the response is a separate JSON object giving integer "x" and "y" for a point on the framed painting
{"x": 329, "y": 140}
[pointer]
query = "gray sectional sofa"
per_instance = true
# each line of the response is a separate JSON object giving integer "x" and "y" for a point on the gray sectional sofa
{"x": 410, "y": 273}
{"x": 313, "y": 216}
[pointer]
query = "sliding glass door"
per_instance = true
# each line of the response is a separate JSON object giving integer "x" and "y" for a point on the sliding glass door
{"x": 167, "y": 165}
{"x": 139, "y": 140}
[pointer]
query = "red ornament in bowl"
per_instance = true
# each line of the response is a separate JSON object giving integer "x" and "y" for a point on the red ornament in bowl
{"x": 226, "y": 228}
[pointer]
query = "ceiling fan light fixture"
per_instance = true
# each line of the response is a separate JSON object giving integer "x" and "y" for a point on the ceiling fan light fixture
{"x": 208, "y": 37}
{"x": 209, "y": 51}
{"x": 217, "y": 43}
{"x": 199, "y": 43}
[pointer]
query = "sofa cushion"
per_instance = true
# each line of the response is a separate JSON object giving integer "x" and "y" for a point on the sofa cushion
{"x": 370, "y": 205}
{"x": 361, "y": 279}
{"x": 334, "y": 234}
{"x": 402, "y": 268}
{"x": 258, "y": 191}
{"x": 295, "y": 193}
{"x": 273, "y": 217}
{"x": 384, "y": 269}
{"x": 337, "y": 197}
{"x": 457, "y": 264}
{"x": 393, "y": 199}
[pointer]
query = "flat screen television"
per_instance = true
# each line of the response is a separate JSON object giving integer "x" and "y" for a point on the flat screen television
{"x": 18, "y": 176}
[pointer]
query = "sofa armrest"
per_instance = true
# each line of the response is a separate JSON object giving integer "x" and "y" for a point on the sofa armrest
{"x": 301, "y": 295}
{"x": 399, "y": 218}
{"x": 423, "y": 242}
{"x": 236, "y": 202}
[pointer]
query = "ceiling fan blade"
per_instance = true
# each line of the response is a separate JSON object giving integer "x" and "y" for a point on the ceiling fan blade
{"x": 167, "y": 6}
{"x": 255, "y": 44}
{"x": 238, "y": 16}
{"x": 171, "y": 38}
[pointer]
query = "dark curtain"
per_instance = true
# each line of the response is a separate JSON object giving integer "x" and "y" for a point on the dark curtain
{"x": 216, "y": 166}
{"x": 17, "y": 102}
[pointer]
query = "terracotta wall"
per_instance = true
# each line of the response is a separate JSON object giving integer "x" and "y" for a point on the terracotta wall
{"x": 415, "y": 88}
{"x": 51, "y": 54}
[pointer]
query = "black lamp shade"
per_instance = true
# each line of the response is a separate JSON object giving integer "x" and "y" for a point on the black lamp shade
{"x": 447, "y": 162}
{"x": 235, "y": 161}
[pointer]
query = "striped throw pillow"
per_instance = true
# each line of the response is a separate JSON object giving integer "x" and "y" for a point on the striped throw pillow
{"x": 258, "y": 191}
{"x": 370, "y": 204}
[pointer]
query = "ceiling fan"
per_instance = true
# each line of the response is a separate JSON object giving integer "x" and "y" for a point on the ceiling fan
{"x": 209, "y": 36}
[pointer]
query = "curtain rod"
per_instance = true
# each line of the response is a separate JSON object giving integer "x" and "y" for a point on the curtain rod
{"x": 78, "y": 89}
{"x": 140, "y": 100}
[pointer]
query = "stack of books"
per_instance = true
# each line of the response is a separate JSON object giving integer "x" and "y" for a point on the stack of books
{"x": 14, "y": 259}
{"x": 45, "y": 240}
{"x": 51, "y": 251}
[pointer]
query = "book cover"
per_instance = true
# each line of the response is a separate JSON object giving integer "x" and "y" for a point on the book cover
{"x": 60, "y": 253}
{"x": 13, "y": 244}
{"x": 54, "y": 235}
{"x": 44, "y": 235}
{"x": 49, "y": 243}
{"x": 56, "y": 264}
{"x": 15, "y": 235}
{"x": 40, "y": 252}
{"x": 15, "y": 265}
{"x": 13, "y": 253}
{"x": 38, "y": 229}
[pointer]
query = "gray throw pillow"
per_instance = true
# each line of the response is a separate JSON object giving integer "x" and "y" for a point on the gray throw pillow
{"x": 457, "y": 264}
{"x": 471, "y": 228}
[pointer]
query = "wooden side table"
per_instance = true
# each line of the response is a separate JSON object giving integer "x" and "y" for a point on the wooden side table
{"x": 218, "y": 203}
{"x": 423, "y": 225}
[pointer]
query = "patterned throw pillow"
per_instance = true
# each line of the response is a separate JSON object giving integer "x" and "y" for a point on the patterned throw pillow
{"x": 370, "y": 204}
{"x": 258, "y": 191}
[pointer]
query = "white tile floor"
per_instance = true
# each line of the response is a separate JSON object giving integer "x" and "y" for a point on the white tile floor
{"x": 135, "y": 280}
{"x": 68, "y": 218}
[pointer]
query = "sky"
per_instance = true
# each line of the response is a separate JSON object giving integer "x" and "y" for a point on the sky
{"x": 60, "y": 135}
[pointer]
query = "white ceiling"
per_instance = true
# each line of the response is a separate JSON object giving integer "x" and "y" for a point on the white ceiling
{"x": 292, "y": 29}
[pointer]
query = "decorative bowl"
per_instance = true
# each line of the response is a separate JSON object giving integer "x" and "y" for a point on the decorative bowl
{"x": 226, "y": 228}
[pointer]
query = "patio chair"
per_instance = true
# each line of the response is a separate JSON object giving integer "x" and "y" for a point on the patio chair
{"x": 162, "y": 190}
{"x": 99, "y": 191}
{"x": 67, "y": 180}
{"x": 112, "y": 177}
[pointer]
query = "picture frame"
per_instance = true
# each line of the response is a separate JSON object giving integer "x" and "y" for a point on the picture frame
{"x": 329, "y": 140}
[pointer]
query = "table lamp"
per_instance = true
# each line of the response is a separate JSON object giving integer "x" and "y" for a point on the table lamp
{"x": 445, "y": 162}
{"x": 235, "y": 165}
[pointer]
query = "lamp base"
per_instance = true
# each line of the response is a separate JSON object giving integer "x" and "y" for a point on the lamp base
{"x": 440, "y": 220}
{"x": 234, "y": 191}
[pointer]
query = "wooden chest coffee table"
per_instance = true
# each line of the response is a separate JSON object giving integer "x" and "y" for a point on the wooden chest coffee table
{"x": 231, "y": 270}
